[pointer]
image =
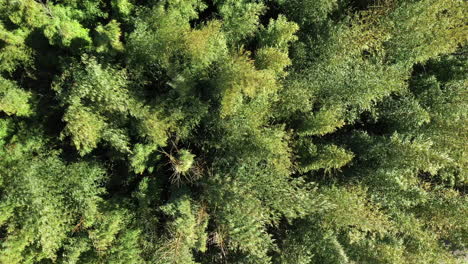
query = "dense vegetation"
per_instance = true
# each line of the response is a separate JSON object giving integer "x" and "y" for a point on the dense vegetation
{"x": 233, "y": 131}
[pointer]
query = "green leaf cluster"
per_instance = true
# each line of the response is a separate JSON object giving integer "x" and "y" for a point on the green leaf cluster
{"x": 233, "y": 131}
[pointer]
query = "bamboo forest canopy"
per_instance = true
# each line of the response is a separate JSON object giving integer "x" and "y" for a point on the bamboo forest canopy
{"x": 233, "y": 131}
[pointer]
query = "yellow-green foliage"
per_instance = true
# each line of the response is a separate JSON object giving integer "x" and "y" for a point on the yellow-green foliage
{"x": 272, "y": 59}
{"x": 322, "y": 123}
{"x": 239, "y": 79}
{"x": 279, "y": 34}
{"x": 183, "y": 162}
{"x": 122, "y": 7}
{"x": 186, "y": 231}
{"x": 14, "y": 100}
{"x": 326, "y": 157}
{"x": 205, "y": 45}
{"x": 108, "y": 37}
{"x": 14, "y": 51}
{"x": 84, "y": 127}
{"x": 241, "y": 18}
{"x": 233, "y": 131}
{"x": 63, "y": 30}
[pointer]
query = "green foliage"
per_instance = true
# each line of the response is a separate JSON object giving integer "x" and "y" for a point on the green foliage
{"x": 279, "y": 34}
{"x": 108, "y": 37}
{"x": 141, "y": 157}
{"x": 160, "y": 33}
{"x": 233, "y": 131}
{"x": 186, "y": 231}
{"x": 13, "y": 50}
{"x": 43, "y": 198}
{"x": 272, "y": 59}
{"x": 184, "y": 162}
{"x": 84, "y": 127}
{"x": 122, "y": 7}
{"x": 13, "y": 100}
{"x": 443, "y": 28}
{"x": 321, "y": 123}
{"x": 241, "y": 18}
{"x": 205, "y": 45}
{"x": 239, "y": 79}
{"x": 63, "y": 29}
{"x": 91, "y": 93}
{"x": 307, "y": 12}
{"x": 275, "y": 40}
{"x": 325, "y": 237}
{"x": 326, "y": 157}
